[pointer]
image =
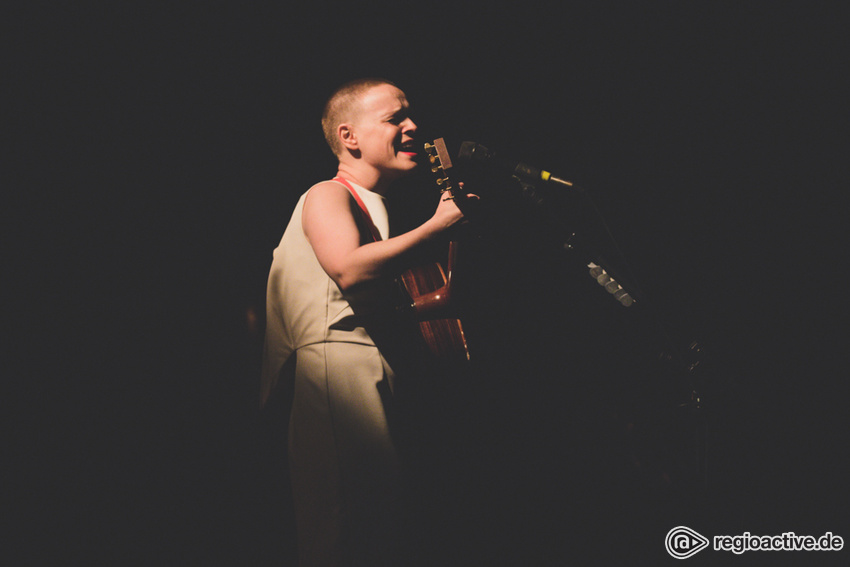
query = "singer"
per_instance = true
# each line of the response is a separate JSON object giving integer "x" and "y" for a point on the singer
{"x": 330, "y": 278}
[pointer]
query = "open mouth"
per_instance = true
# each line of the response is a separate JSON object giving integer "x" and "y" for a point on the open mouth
{"x": 409, "y": 147}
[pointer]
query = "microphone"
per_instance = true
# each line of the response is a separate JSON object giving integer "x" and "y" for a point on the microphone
{"x": 470, "y": 151}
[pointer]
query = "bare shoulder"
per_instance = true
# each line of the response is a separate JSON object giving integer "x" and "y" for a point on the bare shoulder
{"x": 327, "y": 202}
{"x": 326, "y": 193}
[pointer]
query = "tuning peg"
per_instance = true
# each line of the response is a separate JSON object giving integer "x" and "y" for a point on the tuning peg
{"x": 623, "y": 297}
{"x": 612, "y": 286}
{"x": 595, "y": 270}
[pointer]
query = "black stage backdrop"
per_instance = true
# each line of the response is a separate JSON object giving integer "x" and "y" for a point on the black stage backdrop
{"x": 152, "y": 157}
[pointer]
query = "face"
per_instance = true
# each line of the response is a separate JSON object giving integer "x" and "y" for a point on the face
{"x": 384, "y": 131}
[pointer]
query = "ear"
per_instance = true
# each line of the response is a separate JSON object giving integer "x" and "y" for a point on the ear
{"x": 347, "y": 136}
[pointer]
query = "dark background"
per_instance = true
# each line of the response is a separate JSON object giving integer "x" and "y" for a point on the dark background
{"x": 152, "y": 158}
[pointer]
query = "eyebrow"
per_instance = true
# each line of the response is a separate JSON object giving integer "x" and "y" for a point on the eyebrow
{"x": 401, "y": 111}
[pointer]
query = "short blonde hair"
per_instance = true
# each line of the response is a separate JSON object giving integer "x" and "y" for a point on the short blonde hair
{"x": 342, "y": 104}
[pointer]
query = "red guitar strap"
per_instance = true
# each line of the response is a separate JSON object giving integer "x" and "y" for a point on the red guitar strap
{"x": 376, "y": 234}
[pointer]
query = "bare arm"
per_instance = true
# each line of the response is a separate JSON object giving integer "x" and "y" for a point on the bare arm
{"x": 332, "y": 231}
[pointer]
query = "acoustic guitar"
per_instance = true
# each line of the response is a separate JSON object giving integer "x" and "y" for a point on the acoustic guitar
{"x": 430, "y": 287}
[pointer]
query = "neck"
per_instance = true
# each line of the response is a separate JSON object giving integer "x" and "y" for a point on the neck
{"x": 370, "y": 179}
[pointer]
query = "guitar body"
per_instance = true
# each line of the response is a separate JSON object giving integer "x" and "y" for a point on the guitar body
{"x": 443, "y": 337}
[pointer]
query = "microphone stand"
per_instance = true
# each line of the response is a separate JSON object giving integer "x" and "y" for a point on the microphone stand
{"x": 619, "y": 281}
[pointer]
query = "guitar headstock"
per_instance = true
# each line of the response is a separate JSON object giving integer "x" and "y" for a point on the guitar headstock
{"x": 441, "y": 161}
{"x": 611, "y": 285}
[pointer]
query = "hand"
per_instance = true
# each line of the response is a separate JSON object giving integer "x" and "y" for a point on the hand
{"x": 448, "y": 212}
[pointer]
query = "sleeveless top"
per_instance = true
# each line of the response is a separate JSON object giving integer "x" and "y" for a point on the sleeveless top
{"x": 303, "y": 304}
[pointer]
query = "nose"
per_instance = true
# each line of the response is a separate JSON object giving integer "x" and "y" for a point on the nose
{"x": 409, "y": 126}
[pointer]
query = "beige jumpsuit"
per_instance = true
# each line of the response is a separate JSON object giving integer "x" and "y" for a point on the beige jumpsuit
{"x": 344, "y": 467}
